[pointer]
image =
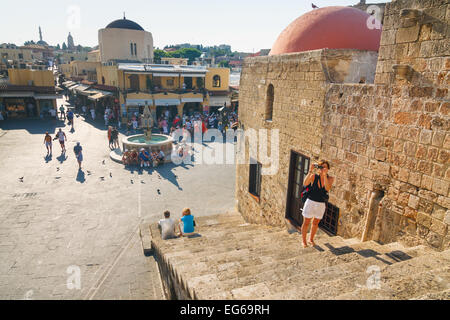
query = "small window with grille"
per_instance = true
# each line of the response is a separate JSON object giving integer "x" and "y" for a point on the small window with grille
{"x": 255, "y": 179}
{"x": 330, "y": 219}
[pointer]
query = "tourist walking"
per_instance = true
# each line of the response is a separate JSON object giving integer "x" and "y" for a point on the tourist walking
{"x": 48, "y": 143}
{"x": 110, "y": 137}
{"x": 61, "y": 136}
{"x": 78, "y": 150}
{"x": 115, "y": 138}
{"x": 70, "y": 117}
{"x": 62, "y": 114}
{"x": 93, "y": 114}
{"x": 314, "y": 209}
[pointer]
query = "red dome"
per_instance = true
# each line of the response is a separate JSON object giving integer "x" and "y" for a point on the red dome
{"x": 328, "y": 27}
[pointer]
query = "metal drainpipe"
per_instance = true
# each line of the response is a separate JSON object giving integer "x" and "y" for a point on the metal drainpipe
{"x": 375, "y": 199}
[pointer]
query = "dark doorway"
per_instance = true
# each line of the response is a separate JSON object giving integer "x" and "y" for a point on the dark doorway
{"x": 191, "y": 107}
{"x": 134, "y": 82}
{"x": 299, "y": 168}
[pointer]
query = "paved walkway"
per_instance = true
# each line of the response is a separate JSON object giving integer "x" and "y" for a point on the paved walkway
{"x": 59, "y": 221}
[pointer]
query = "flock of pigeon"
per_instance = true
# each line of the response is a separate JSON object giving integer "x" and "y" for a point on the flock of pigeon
{"x": 89, "y": 173}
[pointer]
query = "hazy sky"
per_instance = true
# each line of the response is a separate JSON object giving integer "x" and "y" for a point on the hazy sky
{"x": 246, "y": 25}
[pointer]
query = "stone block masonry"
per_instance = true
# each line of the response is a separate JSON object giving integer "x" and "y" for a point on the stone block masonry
{"x": 392, "y": 134}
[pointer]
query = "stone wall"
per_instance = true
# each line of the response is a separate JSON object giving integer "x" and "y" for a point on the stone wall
{"x": 395, "y": 139}
{"x": 300, "y": 82}
{"x": 415, "y": 33}
{"x": 392, "y": 137}
{"x": 299, "y": 90}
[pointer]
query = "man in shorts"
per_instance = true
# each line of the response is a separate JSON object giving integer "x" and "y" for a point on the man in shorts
{"x": 48, "y": 143}
{"x": 61, "y": 136}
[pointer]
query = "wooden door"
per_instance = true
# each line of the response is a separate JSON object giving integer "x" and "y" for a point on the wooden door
{"x": 299, "y": 168}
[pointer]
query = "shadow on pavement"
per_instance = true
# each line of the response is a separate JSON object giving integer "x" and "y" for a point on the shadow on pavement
{"x": 33, "y": 126}
{"x": 80, "y": 176}
{"x": 62, "y": 157}
{"x": 48, "y": 158}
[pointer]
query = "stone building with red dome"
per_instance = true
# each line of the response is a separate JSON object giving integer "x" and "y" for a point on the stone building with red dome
{"x": 370, "y": 98}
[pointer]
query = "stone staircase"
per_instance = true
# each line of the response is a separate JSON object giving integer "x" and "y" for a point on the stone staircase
{"x": 231, "y": 259}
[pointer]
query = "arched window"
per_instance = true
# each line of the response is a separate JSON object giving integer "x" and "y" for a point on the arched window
{"x": 269, "y": 103}
{"x": 135, "y": 49}
{"x": 216, "y": 81}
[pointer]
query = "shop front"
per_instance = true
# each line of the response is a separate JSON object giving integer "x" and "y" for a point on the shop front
{"x": 16, "y": 108}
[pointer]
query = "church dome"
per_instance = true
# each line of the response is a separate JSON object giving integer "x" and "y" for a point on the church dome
{"x": 329, "y": 27}
{"x": 124, "y": 24}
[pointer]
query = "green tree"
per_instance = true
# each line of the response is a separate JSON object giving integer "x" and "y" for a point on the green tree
{"x": 158, "y": 54}
{"x": 224, "y": 64}
{"x": 188, "y": 53}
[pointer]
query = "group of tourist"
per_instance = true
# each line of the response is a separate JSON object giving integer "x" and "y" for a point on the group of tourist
{"x": 62, "y": 138}
{"x": 113, "y": 137}
{"x": 144, "y": 158}
{"x": 169, "y": 228}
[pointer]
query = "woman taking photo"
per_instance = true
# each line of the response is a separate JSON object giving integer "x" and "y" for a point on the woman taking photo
{"x": 315, "y": 206}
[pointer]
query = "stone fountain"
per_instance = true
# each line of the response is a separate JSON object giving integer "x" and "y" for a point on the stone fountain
{"x": 148, "y": 141}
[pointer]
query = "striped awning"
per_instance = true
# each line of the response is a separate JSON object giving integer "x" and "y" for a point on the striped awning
{"x": 16, "y": 94}
{"x": 169, "y": 102}
{"x": 199, "y": 99}
{"x": 99, "y": 95}
{"x": 139, "y": 102}
{"x": 47, "y": 97}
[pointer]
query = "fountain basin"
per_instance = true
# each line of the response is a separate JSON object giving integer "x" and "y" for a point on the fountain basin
{"x": 137, "y": 142}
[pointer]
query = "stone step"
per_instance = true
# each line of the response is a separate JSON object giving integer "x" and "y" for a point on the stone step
{"x": 219, "y": 239}
{"x": 404, "y": 287}
{"x": 233, "y": 237}
{"x": 443, "y": 295}
{"x": 282, "y": 288}
{"x": 344, "y": 285}
{"x": 258, "y": 245}
{"x": 376, "y": 260}
{"x": 278, "y": 272}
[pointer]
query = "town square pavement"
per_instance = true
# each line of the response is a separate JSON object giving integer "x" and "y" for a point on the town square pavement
{"x": 69, "y": 234}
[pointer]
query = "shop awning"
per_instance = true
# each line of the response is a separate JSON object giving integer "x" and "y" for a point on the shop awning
{"x": 219, "y": 101}
{"x": 139, "y": 102}
{"x": 99, "y": 95}
{"x": 194, "y": 75}
{"x": 79, "y": 88}
{"x": 47, "y": 97}
{"x": 199, "y": 99}
{"x": 170, "y": 102}
{"x": 87, "y": 92}
{"x": 17, "y": 94}
{"x": 176, "y": 75}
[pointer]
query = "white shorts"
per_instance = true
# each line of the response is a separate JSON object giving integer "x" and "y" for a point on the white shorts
{"x": 313, "y": 209}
